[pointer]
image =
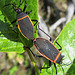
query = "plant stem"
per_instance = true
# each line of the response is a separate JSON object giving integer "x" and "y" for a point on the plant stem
{"x": 33, "y": 61}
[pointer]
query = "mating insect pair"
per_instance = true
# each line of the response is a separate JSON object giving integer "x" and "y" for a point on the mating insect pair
{"x": 44, "y": 46}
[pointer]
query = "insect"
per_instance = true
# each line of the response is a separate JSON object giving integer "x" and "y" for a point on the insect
{"x": 49, "y": 51}
{"x": 44, "y": 46}
{"x": 25, "y": 24}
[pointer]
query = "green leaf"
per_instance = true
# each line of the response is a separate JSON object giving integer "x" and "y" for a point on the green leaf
{"x": 67, "y": 42}
{"x": 13, "y": 70}
{"x": 9, "y": 42}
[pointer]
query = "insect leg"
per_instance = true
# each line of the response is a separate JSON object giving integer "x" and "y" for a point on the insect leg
{"x": 55, "y": 68}
{"x": 35, "y": 22}
{"x": 13, "y": 22}
{"x": 47, "y": 66}
{"x": 49, "y": 63}
{"x": 21, "y": 3}
{"x": 62, "y": 69}
{"x": 58, "y": 45}
{"x": 28, "y": 12}
{"x": 44, "y": 32}
{"x": 25, "y": 6}
{"x": 35, "y": 55}
{"x": 32, "y": 52}
{"x": 14, "y": 27}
